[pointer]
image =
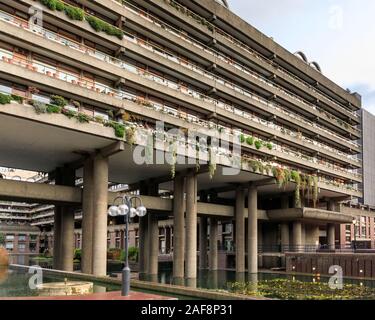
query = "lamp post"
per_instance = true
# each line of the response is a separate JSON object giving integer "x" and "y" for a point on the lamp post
{"x": 127, "y": 211}
{"x": 355, "y": 234}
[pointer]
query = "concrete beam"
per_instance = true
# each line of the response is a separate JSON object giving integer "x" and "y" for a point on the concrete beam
{"x": 112, "y": 149}
{"x": 39, "y": 193}
{"x": 309, "y": 214}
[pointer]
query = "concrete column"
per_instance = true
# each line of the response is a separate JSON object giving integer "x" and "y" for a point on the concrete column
{"x": 297, "y": 236}
{"x": 191, "y": 227}
{"x": 213, "y": 261}
{"x": 100, "y": 205}
{"x": 252, "y": 231}
{"x": 178, "y": 228}
{"x": 153, "y": 251}
{"x": 143, "y": 244}
{"x": 87, "y": 217}
{"x": 203, "y": 243}
{"x": 260, "y": 243}
{"x": 331, "y": 236}
{"x": 331, "y": 206}
{"x": 284, "y": 228}
{"x": 64, "y": 229}
{"x": 284, "y": 202}
{"x": 240, "y": 230}
{"x": 67, "y": 239}
{"x": 57, "y": 237}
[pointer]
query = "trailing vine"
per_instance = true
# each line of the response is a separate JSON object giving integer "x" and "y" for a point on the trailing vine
{"x": 173, "y": 152}
{"x": 212, "y": 162}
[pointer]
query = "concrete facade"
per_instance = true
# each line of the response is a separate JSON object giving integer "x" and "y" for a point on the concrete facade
{"x": 298, "y": 133}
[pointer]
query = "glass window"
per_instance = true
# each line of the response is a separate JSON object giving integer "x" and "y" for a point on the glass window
{"x": 9, "y": 237}
{"x": 9, "y": 246}
{"x": 22, "y": 237}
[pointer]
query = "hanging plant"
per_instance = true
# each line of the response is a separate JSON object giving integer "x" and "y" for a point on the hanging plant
{"x": 258, "y": 144}
{"x": 279, "y": 173}
{"x": 197, "y": 162}
{"x": 212, "y": 163}
{"x": 173, "y": 151}
{"x": 250, "y": 141}
{"x": 297, "y": 191}
{"x": 315, "y": 192}
{"x": 130, "y": 135}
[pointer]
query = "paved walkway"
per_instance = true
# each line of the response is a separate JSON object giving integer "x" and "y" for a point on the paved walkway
{"x": 114, "y": 295}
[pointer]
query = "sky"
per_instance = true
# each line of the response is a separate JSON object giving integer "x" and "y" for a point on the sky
{"x": 338, "y": 34}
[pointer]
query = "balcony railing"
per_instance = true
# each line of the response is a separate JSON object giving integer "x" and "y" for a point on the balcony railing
{"x": 99, "y": 55}
{"x": 40, "y": 67}
{"x": 241, "y": 45}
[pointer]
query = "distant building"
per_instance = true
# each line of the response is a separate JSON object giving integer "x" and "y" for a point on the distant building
{"x": 368, "y": 155}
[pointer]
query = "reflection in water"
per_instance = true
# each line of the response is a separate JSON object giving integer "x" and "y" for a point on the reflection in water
{"x": 220, "y": 279}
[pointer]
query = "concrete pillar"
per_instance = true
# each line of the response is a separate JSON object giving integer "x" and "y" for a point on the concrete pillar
{"x": 67, "y": 239}
{"x": 57, "y": 237}
{"x": 284, "y": 202}
{"x": 331, "y": 236}
{"x": 240, "y": 230}
{"x": 191, "y": 227}
{"x": 64, "y": 228}
{"x": 260, "y": 244}
{"x": 100, "y": 205}
{"x": 297, "y": 236}
{"x": 143, "y": 244}
{"x": 252, "y": 231}
{"x": 178, "y": 228}
{"x": 153, "y": 251}
{"x": 284, "y": 228}
{"x": 213, "y": 260}
{"x": 87, "y": 217}
{"x": 203, "y": 243}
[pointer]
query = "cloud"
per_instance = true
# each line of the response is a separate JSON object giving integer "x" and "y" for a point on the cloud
{"x": 337, "y": 34}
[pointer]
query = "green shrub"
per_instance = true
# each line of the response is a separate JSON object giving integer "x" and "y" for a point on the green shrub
{"x": 39, "y": 107}
{"x": 59, "y": 5}
{"x": 242, "y": 138}
{"x": 69, "y": 113}
{"x": 17, "y": 98}
{"x": 5, "y": 99}
{"x": 250, "y": 141}
{"x": 74, "y": 13}
{"x": 133, "y": 253}
{"x": 77, "y": 254}
{"x": 51, "y": 108}
{"x": 58, "y": 101}
{"x": 269, "y": 145}
{"x": 99, "y": 25}
{"x": 50, "y": 4}
{"x": 82, "y": 117}
{"x": 258, "y": 144}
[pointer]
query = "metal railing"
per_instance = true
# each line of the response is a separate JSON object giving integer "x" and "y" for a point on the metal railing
{"x": 185, "y": 90}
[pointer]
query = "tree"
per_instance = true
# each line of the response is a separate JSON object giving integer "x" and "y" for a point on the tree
{"x": 2, "y": 239}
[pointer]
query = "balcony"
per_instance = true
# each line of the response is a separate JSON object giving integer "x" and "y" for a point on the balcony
{"x": 103, "y": 57}
{"x": 213, "y": 29}
{"x": 47, "y": 70}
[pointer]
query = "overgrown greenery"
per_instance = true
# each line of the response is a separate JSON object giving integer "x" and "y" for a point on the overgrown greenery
{"x": 2, "y": 239}
{"x": 297, "y": 290}
{"x": 5, "y": 99}
{"x": 77, "y": 254}
{"x": 78, "y": 14}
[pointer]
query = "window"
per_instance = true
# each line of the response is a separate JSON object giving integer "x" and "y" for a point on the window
{"x": 9, "y": 246}
{"x": 21, "y": 247}
{"x": 22, "y": 237}
{"x": 9, "y": 237}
